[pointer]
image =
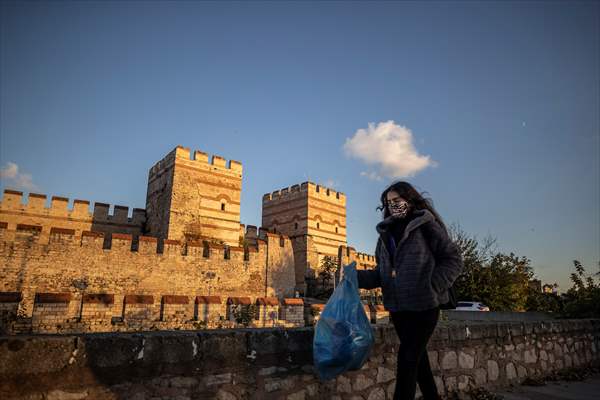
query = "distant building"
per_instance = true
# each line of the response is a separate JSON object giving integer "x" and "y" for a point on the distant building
{"x": 550, "y": 288}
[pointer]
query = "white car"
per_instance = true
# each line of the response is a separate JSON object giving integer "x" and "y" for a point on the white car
{"x": 471, "y": 306}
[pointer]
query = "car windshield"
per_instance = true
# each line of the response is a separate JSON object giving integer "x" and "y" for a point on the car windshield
{"x": 464, "y": 304}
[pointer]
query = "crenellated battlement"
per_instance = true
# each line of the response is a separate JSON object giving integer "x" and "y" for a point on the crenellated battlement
{"x": 310, "y": 188}
{"x": 196, "y": 158}
{"x": 12, "y": 206}
{"x": 106, "y": 243}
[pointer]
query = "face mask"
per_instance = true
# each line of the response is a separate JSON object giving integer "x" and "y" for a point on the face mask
{"x": 399, "y": 209}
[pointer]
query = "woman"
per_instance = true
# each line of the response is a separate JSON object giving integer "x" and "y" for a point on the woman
{"x": 416, "y": 264}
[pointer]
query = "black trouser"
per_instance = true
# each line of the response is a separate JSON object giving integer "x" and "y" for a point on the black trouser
{"x": 414, "y": 329}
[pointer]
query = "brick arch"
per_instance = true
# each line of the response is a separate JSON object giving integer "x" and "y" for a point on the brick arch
{"x": 222, "y": 197}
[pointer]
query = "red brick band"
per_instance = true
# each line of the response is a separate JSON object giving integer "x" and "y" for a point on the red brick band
{"x": 138, "y": 299}
{"x": 62, "y": 231}
{"x": 25, "y": 227}
{"x": 267, "y": 301}
{"x": 208, "y": 300}
{"x": 239, "y": 300}
{"x": 92, "y": 233}
{"x": 99, "y": 298}
{"x": 11, "y": 297}
{"x": 293, "y": 302}
{"x": 52, "y": 297}
{"x": 173, "y": 299}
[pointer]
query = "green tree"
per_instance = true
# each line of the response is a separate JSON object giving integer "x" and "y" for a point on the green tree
{"x": 582, "y": 300}
{"x": 328, "y": 268}
{"x": 246, "y": 314}
{"x": 500, "y": 281}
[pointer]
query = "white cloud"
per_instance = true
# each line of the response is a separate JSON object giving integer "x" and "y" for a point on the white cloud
{"x": 389, "y": 148}
{"x": 20, "y": 180}
{"x": 371, "y": 175}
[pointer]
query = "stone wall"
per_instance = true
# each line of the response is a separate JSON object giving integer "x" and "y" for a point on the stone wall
{"x": 308, "y": 210}
{"x": 84, "y": 264}
{"x": 277, "y": 363}
{"x": 35, "y": 216}
{"x": 189, "y": 197}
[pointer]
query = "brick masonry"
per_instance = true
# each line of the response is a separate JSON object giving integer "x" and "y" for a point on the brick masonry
{"x": 188, "y": 241}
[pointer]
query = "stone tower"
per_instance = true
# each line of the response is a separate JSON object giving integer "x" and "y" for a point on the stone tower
{"x": 192, "y": 198}
{"x": 314, "y": 217}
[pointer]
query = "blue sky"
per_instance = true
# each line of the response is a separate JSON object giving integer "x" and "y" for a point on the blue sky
{"x": 495, "y": 107}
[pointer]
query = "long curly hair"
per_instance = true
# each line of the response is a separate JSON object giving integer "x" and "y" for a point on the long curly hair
{"x": 417, "y": 200}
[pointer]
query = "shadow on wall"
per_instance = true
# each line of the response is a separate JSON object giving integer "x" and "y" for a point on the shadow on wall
{"x": 195, "y": 365}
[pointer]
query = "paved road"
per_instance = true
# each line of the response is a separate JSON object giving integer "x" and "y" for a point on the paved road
{"x": 588, "y": 389}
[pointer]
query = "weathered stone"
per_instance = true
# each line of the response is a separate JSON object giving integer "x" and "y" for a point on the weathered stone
{"x": 466, "y": 360}
{"x": 344, "y": 385}
{"x": 377, "y": 394}
{"x": 362, "y": 382}
{"x": 558, "y": 351}
{"x": 463, "y": 382}
{"x": 568, "y": 361}
{"x": 543, "y": 355}
{"x": 224, "y": 395}
{"x": 493, "y": 371}
{"x": 480, "y": 376}
{"x": 450, "y": 383}
{"x": 511, "y": 372}
{"x": 385, "y": 375}
{"x": 312, "y": 389}
{"x": 62, "y": 395}
{"x": 183, "y": 382}
{"x": 219, "y": 379}
{"x": 439, "y": 383}
{"x": 390, "y": 390}
{"x": 301, "y": 395}
{"x": 433, "y": 360}
{"x": 449, "y": 360}
{"x": 530, "y": 356}
{"x": 267, "y": 371}
{"x": 521, "y": 371}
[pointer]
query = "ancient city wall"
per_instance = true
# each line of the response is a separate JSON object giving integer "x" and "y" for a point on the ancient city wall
{"x": 277, "y": 363}
{"x": 34, "y": 215}
{"x": 308, "y": 209}
{"x": 188, "y": 197}
{"x": 84, "y": 264}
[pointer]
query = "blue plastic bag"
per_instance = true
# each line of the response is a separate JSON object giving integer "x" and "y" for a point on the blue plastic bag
{"x": 343, "y": 335}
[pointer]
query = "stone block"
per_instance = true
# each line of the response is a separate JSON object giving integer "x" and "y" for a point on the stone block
{"x": 530, "y": 356}
{"x": 511, "y": 372}
{"x": 449, "y": 360}
{"x": 480, "y": 376}
{"x": 344, "y": 385}
{"x": 361, "y": 382}
{"x": 385, "y": 375}
{"x": 376, "y": 394}
{"x": 466, "y": 360}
